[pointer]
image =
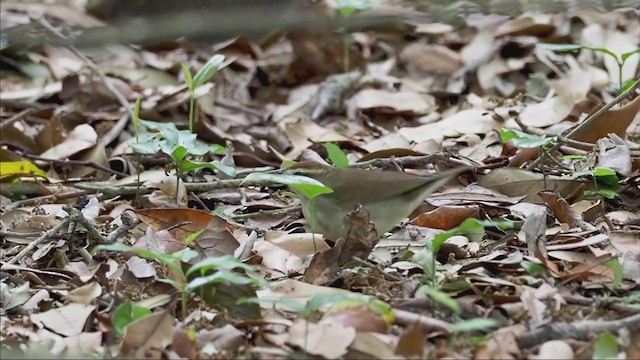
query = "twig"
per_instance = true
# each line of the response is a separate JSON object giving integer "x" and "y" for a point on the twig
{"x": 609, "y": 303}
{"x": 589, "y": 120}
{"x": 46, "y": 236}
{"x": 406, "y": 318}
{"x": 93, "y": 232}
{"x": 90, "y": 164}
{"x": 369, "y": 265}
{"x": 577, "y": 330}
{"x": 47, "y": 199}
{"x": 128, "y": 223}
{"x": 275, "y": 212}
{"x": 408, "y": 161}
{"x": 16, "y": 117}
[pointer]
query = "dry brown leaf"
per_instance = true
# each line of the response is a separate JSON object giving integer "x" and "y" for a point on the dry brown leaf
{"x": 403, "y": 102}
{"x": 152, "y": 332}
{"x": 446, "y": 217}
{"x": 422, "y": 60}
{"x": 68, "y": 320}
{"x": 561, "y": 208}
{"x": 329, "y": 341}
{"x": 80, "y": 138}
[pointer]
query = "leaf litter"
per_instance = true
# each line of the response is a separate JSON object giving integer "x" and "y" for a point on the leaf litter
{"x": 527, "y": 249}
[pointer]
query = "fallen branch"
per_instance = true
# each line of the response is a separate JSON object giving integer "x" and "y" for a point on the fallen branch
{"x": 406, "y": 318}
{"x": 576, "y": 330}
{"x": 588, "y": 121}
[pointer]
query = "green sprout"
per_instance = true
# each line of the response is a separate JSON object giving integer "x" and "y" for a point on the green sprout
{"x": 620, "y": 60}
{"x": 346, "y": 8}
{"x": 193, "y": 83}
{"x": 180, "y": 145}
{"x": 210, "y": 271}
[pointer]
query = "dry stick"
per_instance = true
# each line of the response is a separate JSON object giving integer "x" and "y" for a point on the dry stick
{"x": 111, "y": 135}
{"x": 93, "y": 232}
{"x": 47, "y": 198}
{"x": 610, "y": 304}
{"x": 408, "y": 161}
{"x": 46, "y": 236}
{"x": 16, "y": 117}
{"x": 275, "y": 212}
{"x": 406, "y": 318}
{"x": 74, "y": 162}
{"x": 589, "y": 120}
{"x": 128, "y": 223}
{"x": 576, "y": 330}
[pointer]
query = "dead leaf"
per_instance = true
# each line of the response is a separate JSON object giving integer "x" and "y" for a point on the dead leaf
{"x": 80, "y": 138}
{"x": 325, "y": 340}
{"x": 561, "y": 208}
{"x": 68, "y": 320}
{"x": 446, "y": 217}
{"x": 152, "y": 332}
{"x": 411, "y": 342}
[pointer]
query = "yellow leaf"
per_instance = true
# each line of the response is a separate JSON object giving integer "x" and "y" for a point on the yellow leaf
{"x": 19, "y": 168}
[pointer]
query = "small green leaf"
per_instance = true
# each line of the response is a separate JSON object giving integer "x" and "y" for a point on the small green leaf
{"x": 559, "y": 47}
{"x": 188, "y": 165}
{"x": 524, "y": 140}
{"x": 293, "y": 305}
{"x": 532, "y": 268}
{"x": 440, "y": 297}
{"x": 336, "y": 155}
{"x": 574, "y": 157}
{"x": 146, "y": 144}
{"x": 615, "y": 266}
{"x": 348, "y": 7}
{"x": 221, "y": 276}
{"x": 208, "y": 70}
{"x": 187, "y": 77}
{"x": 193, "y": 236}
{"x": 606, "y": 176}
{"x": 606, "y": 347}
{"x": 605, "y": 193}
{"x": 226, "y": 262}
{"x": 604, "y": 51}
{"x": 179, "y": 153}
{"x": 165, "y": 259}
{"x": 308, "y": 186}
{"x": 185, "y": 254}
{"x": 626, "y": 55}
{"x": 474, "y": 324}
{"x": 125, "y": 314}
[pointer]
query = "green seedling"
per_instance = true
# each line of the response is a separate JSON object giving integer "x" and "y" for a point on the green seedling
{"x": 617, "y": 270}
{"x": 601, "y": 176}
{"x": 606, "y": 347}
{"x": 193, "y": 83}
{"x": 336, "y": 155}
{"x": 470, "y": 227}
{"x": 346, "y": 8}
{"x": 529, "y": 141}
{"x": 127, "y": 313}
{"x": 180, "y": 145}
{"x": 308, "y": 187}
{"x": 337, "y": 302}
{"x": 620, "y": 60}
{"x": 193, "y": 278}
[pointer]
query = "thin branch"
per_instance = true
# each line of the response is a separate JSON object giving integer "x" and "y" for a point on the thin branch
{"x": 90, "y": 164}
{"x": 589, "y": 120}
{"x": 46, "y": 236}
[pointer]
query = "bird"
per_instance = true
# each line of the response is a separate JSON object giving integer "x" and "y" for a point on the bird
{"x": 388, "y": 196}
